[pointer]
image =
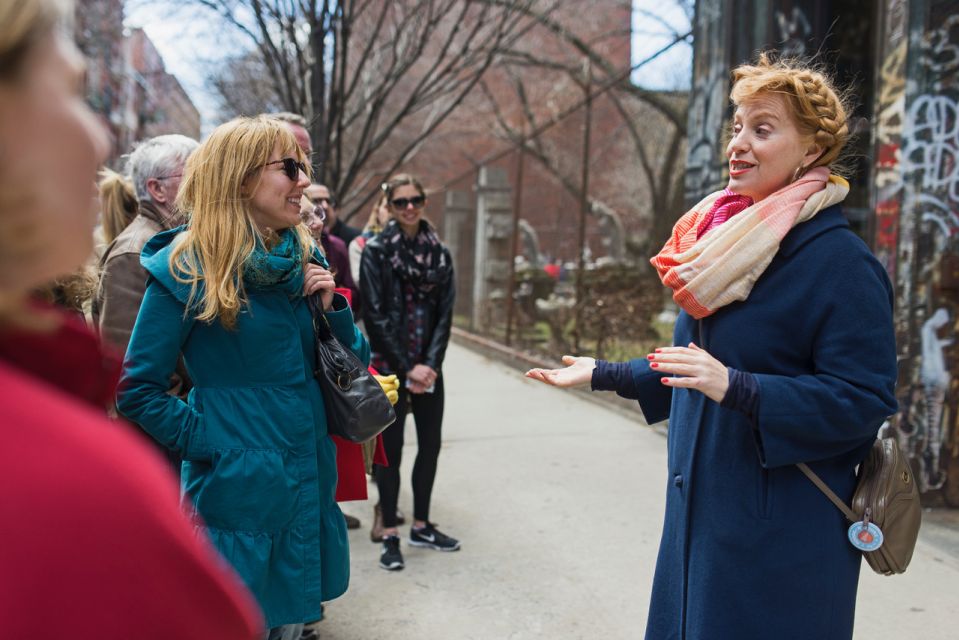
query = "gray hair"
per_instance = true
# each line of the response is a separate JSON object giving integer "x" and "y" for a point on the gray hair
{"x": 157, "y": 157}
{"x": 292, "y": 118}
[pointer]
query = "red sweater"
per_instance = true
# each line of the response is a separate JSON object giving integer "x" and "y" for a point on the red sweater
{"x": 93, "y": 543}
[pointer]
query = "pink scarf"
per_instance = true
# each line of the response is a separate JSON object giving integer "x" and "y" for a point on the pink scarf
{"x": 707, "y": 271}
{"x": 725, "y": 207}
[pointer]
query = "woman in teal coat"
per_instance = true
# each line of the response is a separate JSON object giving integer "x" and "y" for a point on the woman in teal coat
{"x": 227, "y": 290}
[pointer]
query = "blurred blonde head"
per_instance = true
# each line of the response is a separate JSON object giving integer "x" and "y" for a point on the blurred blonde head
{"x": 23, "y": 25}
{"x": 52, "y": 147}
{"x": 373, "y": 224}
{"x": 118, "y": 203}
{"x": 218, "y": 182}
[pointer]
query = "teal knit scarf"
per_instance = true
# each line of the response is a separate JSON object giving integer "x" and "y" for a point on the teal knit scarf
{"x": 280, "y": 267}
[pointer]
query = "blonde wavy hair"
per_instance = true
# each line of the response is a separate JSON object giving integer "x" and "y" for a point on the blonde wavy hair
{"x": 118, "y": 203}
{"x": 818, "y": 108}
{"x": 218, "y": 182}
{"x": 23, "y": 26}
{"x": 373, "y": 223}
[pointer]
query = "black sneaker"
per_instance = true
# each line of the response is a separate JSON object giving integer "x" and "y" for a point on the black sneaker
{"x": 431, "y": 537}
{"x": 390, "y": 557}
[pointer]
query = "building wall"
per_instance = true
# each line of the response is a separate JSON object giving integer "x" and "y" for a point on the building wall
{"x": 127, "y": 84}
{"x": 160, "y": 105}
{"x": 917, "y": 227}
{"x": 99, "y": 36}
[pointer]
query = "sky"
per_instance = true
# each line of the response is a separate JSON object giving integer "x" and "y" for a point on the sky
{"x": 190, "y": 42}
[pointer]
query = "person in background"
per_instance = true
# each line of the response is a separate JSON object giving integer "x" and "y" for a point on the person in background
{"x": 227, "y": 290}
{"x": 784, "y": 352}
{"x": 118, "y": 208}
{"x": 321, "y": 195}
{"x": 314, "y": 214}
{"x": 298, "y": 126}
{"x": 156, "y": 168}
{"x": 313, "y": 217}
{"x": 407, "y": 285}
{"x": 93, "y": 544}
{"x": 379, "y": 216}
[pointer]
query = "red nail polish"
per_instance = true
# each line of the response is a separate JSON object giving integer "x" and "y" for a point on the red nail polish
{"x": 654, "y": 364}
{"x": 650, "y": 357}
{"x": 659, "y": 350}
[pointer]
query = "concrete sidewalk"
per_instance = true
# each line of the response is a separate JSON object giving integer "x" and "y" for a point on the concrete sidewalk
{"x": 559, "y": 504}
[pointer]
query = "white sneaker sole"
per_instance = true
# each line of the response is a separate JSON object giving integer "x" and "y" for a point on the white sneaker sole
{"x": 396, "y": 566}
{"x": 429, "y": 545}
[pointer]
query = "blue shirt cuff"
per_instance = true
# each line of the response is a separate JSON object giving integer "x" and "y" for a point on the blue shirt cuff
{"x": 611, "y": 376}
{"x": 743, "y": 394}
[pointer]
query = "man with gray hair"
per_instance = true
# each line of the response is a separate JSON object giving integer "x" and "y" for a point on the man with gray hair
{"x": 156, "y": 167}
{"x": 298, "y": 127}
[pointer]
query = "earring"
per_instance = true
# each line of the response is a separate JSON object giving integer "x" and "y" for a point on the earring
{"x": 798, "y": 173}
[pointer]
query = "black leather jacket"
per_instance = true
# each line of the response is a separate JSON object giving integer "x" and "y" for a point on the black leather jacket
{"x": 384, "y": 312}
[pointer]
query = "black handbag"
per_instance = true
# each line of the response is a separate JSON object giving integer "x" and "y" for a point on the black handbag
{"x": 357, "y": 409}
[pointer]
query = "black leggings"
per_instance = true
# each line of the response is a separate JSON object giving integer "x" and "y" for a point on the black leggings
{"x": 428, "y": 414}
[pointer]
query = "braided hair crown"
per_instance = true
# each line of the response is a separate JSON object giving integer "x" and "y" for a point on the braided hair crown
{"x": 820, "y": 112}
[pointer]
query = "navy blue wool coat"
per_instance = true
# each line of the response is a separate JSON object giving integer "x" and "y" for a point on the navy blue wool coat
{"x": 751, "y": 549}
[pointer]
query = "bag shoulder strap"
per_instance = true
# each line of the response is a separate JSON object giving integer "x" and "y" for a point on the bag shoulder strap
{"x": 320, "y": 324}
{"x": 816, "y": 480}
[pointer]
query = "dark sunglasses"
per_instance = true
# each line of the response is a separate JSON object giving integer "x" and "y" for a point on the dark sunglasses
{"x": 291, "y": 167}
{"x": 402, "y": 203}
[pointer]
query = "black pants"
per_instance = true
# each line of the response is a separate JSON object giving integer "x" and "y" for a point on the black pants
{"x": 428, "y": 413}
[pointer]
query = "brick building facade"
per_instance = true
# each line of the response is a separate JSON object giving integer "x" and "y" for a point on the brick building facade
{"x": 127, "y": 84}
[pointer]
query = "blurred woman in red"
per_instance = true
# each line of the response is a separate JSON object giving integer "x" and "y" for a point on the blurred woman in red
{"x": 93, "y": 544}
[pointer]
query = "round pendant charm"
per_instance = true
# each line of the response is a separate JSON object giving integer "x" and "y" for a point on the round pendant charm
{"x": 865, "y": 537}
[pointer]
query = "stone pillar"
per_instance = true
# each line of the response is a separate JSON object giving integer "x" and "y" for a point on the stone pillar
{"x": 492, "y": 248}
{"x": 458, "y": 228}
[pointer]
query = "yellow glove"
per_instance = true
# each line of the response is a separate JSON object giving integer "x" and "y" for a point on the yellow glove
{"x": 391, "y": 387}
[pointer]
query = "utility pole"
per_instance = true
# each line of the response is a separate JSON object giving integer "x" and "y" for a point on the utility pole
{"x": 583, "y": 204}
{"x": 514, "y": 243}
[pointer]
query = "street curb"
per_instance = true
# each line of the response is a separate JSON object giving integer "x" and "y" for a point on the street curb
{"x": 522, "y": 361}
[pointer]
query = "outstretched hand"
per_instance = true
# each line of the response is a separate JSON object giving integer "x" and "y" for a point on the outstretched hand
{"x": 696, "y": 370}
{"x": 578, "y": 372}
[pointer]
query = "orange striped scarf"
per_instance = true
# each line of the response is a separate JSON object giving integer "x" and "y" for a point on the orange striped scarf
{"x": 707, "y": 273}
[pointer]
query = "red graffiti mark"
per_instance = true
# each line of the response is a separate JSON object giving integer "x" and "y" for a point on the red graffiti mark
{"x": 888, "y": 155}
{"x": 887, "y": 224}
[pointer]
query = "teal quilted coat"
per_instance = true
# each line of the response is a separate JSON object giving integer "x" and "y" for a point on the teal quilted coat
{"x": 259, "y": 467}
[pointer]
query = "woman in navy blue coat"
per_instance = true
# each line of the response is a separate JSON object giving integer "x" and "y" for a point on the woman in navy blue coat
{"x": 784, "y": 352}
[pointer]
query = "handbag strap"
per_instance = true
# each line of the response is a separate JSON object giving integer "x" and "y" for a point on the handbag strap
{"x": 321, "y": 326}
{"x": 816, "y": 480}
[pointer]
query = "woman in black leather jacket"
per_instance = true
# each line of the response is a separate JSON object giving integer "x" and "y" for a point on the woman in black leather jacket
{"x": 406, "y": 280}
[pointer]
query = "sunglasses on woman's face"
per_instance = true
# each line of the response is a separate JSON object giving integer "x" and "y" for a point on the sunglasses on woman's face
{"x": 291, "y": 167}
{"x": 402, "y": 203}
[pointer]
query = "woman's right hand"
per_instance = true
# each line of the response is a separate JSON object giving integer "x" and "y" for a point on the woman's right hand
{"x": 316, "y": 278}
{"x": 578, "y": 372}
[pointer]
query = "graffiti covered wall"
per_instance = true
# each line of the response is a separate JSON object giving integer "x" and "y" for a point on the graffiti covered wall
{"x": 709, "y": 101}
{"x": 917, "y": 229}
